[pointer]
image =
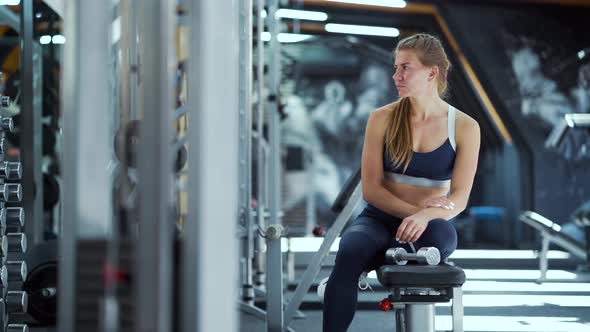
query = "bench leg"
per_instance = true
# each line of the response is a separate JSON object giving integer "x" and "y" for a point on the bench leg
{"x": 457, "y": 309}
{"x": 544, "y": 258}
{"x": 400, "y": 318}
{"x": 420, "y": 317}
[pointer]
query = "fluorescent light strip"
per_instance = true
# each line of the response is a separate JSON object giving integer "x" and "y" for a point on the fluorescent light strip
{"x": 362, "y": 30}
{"x": 44, "y": 40}
{"x": 9, "y": 2}
{"x": 301, "y": 14}
{"x": 383, "y": 3}
{"x": 513, "y": 324}
{"x": 286, "y": 38}
{"x": 58, "y": 39}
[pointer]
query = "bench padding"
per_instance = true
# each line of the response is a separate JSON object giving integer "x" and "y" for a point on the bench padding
{"x": 436, "y": 276}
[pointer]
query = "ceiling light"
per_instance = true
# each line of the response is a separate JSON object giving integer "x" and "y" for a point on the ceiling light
{"x": 58, "y": 39}
{"x": 44, "y": 40}
{"x": 362, "y": 30}
{"x": 9, "y": 2}
{"x": 384, "y": 3}
{"x": 301, "y": 14}
{"x": 286, "y": 37}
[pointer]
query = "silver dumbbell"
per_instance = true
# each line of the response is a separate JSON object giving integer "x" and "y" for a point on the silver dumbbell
{"x": 10, "y": 170}
{"x": 4, "y": 277}
{"x": 17, "y": 328}
{"x": 17, "y": 270}
{"x": 7, "y": 124}
{"x": 4, "y": 245}
{"x": 16, "y": 301}
{"x": 425, "y": 255}
{"x": 17, "y": 242}
{"x": 12, "y": 217}
{"x": 11, "y": 192}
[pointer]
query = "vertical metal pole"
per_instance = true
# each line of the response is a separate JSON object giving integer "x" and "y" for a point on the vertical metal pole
{"x": 133, "y": 80}
{"x": 260, "y": 156}
{"x": 457, "y": 309}
{"x": 85, "y": 92}
{"x": 310, "y": 220}
{"x": 544, "y": 257}
{"x": 245, "y": 112}
{"x": 157, "y": 22}
{"x": 30, "y": 131}
{"x": 209, "y": 244}
{"x": 274, "y": 258}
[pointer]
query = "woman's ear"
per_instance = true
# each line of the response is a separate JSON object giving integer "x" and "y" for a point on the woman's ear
{"x": 433, "y": 73}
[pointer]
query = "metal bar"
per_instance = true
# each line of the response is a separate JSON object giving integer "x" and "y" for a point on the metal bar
{"x": 543, "y": 257}
{"x": 274, "y": 258}
{"x": 85, "y": 92}
{"x": 245, "y": 150}
{"x": 316, "y": 262}
{"x": 30, "y": 131}
{"x": 133, "y": 59}
{"x": 157, "y": 23}
{"x": 260, "y": 149}
{"x": 457, "y": 309}
{"x": 209, "y": 283}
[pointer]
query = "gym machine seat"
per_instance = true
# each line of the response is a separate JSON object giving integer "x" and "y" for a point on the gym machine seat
{"x": 416, "y": 288}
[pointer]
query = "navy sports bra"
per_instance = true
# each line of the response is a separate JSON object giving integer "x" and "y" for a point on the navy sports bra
{"x": 426, "y": 169}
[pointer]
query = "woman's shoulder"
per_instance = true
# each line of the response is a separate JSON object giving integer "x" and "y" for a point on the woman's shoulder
{"x": 465, "y": 125}
{"x": 383, "y": 111}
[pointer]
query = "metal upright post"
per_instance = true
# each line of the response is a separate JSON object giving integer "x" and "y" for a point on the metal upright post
{"x": 157, "y": 22}
{"x": 209, "y": 280}
{"x": 274, "y": 258}
{"x": 30, "y": 130}
{"x": 245, "y": 112}
{"x": 260, "y": 155}
{"x": 86, "y": 149}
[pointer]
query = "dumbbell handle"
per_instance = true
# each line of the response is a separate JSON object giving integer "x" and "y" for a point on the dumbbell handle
{"x": 11, "y": 192}
{"x": 10, "y": 170}
{"x": 427, "y": 255}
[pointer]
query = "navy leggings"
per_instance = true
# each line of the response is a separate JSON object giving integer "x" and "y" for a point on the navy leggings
{"x": 362, "y": 248}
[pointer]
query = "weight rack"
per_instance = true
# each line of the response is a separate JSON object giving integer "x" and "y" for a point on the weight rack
{"x": 13, "y": 242}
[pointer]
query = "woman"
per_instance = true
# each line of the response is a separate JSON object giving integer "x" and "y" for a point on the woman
{"x": 418, "y": 164}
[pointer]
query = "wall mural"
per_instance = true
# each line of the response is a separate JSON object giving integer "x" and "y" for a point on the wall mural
{"x": 543, "y": 98}
{"x": 327, "y": 117}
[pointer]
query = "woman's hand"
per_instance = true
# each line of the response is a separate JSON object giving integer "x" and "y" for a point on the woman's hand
{"x": 439, "y": 202}
{"x": 412, "y": 227}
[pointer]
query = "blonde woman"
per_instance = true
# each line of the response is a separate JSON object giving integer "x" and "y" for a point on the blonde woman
{"x": 419, "y": 159}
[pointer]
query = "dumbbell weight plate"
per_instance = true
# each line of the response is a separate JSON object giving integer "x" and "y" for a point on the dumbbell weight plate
{"x": 17, "y": 242}
{"x": 428, "y": 255}
{"x": 392, "y": 256}
{"x": 17, "y": 270}
{"x": 13, "y": 216}
{"x": 16, "y": 301}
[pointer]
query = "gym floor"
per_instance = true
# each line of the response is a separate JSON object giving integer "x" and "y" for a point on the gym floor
{"x": 496, "y": 297}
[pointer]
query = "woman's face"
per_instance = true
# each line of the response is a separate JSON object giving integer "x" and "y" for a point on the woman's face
{"x": 410, "y": 76}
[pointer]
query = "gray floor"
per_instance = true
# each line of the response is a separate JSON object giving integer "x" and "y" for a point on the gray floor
{"x": 506, "y": 300}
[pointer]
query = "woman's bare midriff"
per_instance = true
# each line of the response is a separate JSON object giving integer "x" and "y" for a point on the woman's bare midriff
{"x": 414, "y": 195}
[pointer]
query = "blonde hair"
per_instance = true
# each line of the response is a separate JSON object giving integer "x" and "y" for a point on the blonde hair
{"x": 430, "y": 53}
